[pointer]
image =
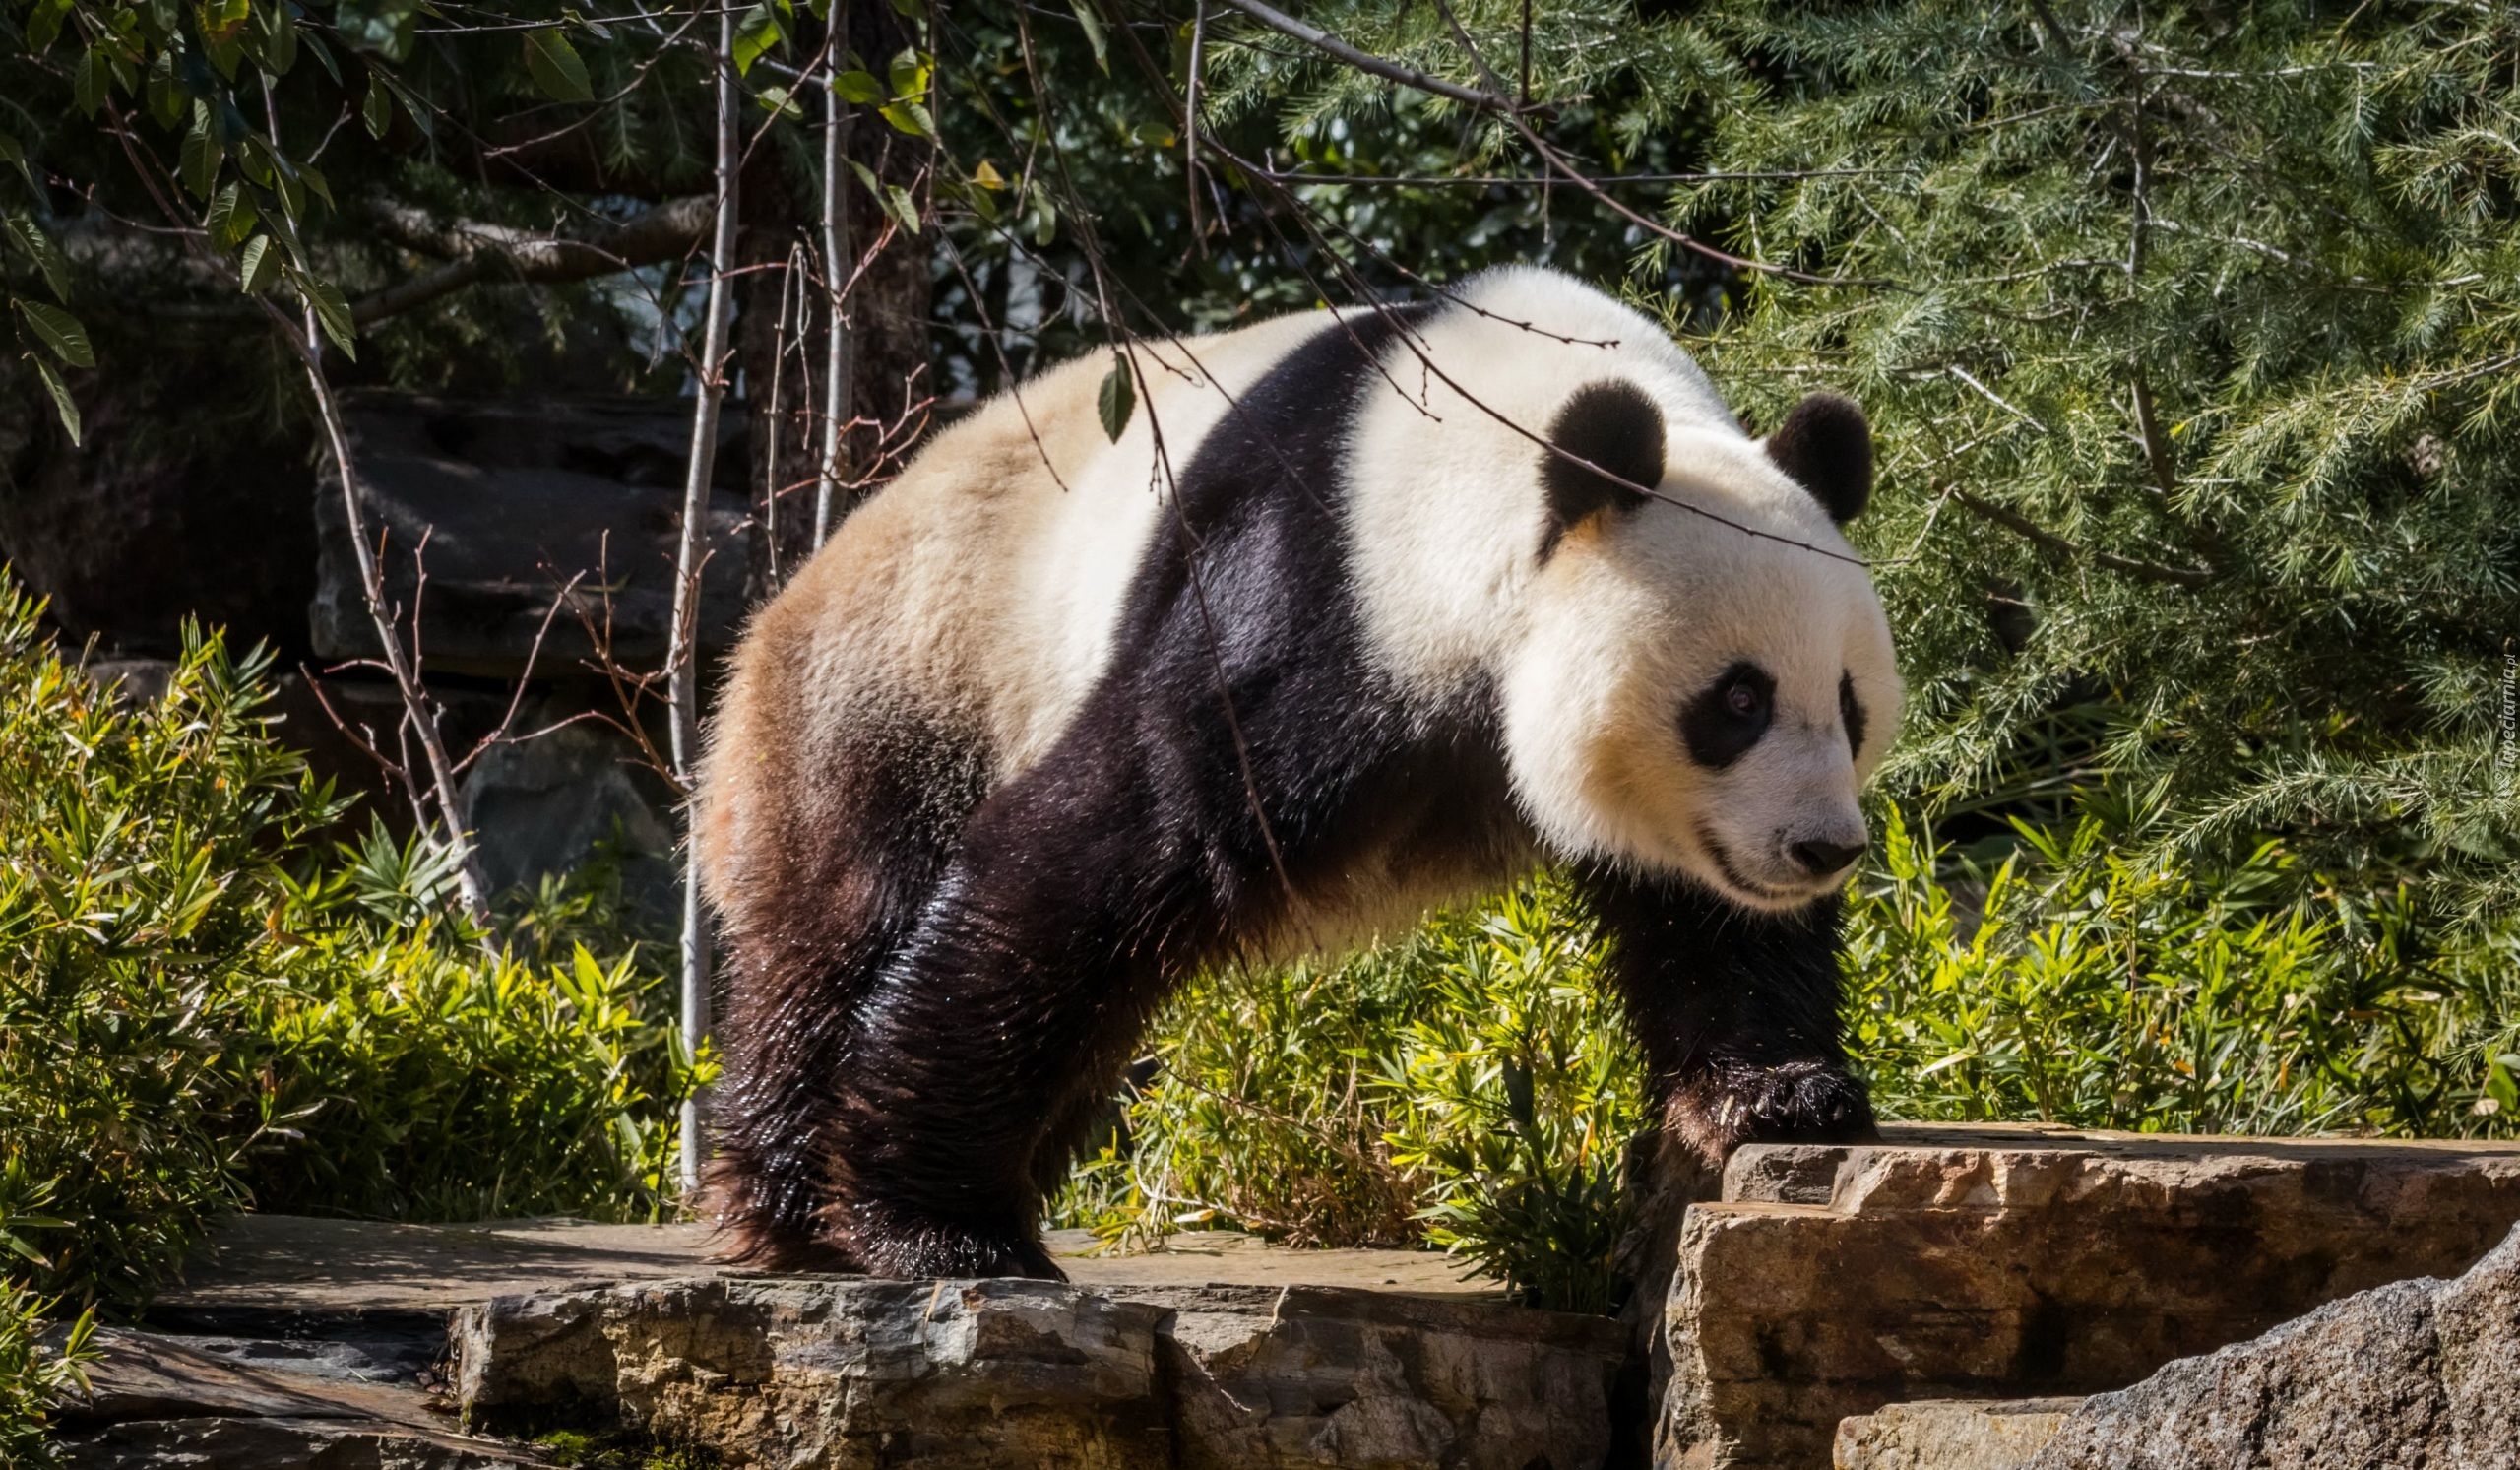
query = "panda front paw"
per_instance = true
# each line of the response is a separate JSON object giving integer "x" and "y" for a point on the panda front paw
{"x": 1795, "y": 1101}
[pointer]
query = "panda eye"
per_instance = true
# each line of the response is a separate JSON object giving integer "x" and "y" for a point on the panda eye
{"x": 1722, "y": 722}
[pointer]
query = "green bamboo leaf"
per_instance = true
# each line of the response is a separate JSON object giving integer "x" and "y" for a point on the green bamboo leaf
{"x": 1118, "y": 398}
{"x": 556, "y": 67}
{"x": 59, "y": 331}
{"x": 378, "y": 111}
{"x": 61, "y": 402}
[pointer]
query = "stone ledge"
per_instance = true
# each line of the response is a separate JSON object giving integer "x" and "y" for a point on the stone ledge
{"x": 831, "y": 1372}
{"x": 153, "y": 1400}
{"x": 2004, "y": 1262}
{"x": 1950, "y": 1435}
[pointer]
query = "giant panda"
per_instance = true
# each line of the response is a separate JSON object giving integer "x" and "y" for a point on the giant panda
{"x": 1364, "y": 610}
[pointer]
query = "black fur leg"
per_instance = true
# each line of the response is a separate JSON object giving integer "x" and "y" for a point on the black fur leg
{"x": 1020, "y": 995}
{"x": 1737, "y": 1012}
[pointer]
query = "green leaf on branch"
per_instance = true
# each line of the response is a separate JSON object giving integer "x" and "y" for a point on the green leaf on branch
{"x": 756, "y": 36}
{"x": 231, "y": 215}
{"x": 58, "y": 331}
{"x": 910, "y": 73}
{"x": 378, "y": 111}
{"x": 201, "y": 153}
{"x": 61, "y": 402}
{"x": 89, "y": 84}
{"x": 222, "y": 19}
{"x": 333, "y": 311}
{"x": 894, "y": 200}
{"x": 909, "y": 117}
{"x": 46, "y": 255}
{"x": 14, "y": 154}
{"x": 1118, "y": 398}
{"x": 43, "y": 27}
{"x": 1094, "y": 37}
{"x": 556, "y": 66}
{"x": 279, "y": 39}
{"x": 257, "y": 266}
{"x": 860, "y": 88}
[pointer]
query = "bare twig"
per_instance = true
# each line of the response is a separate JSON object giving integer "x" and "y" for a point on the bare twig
{"x": 1371, "y": 65}
{"x": 682, "y": 674}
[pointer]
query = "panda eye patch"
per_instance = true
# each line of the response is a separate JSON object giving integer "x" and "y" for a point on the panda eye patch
{"x": 1850, "y": 712}
{"x": 1723, "y": 721}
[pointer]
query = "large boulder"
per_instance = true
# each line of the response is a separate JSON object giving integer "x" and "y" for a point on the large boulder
{"x": 2412, "y": 1375}
{"x": 2013, "y": 1262}
{"x": 503, "y": 502}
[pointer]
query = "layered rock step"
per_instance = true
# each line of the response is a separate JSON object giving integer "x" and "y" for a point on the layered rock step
{"x": 2004, "y": 1263}
{"x": 835, "y": 1371}
{"x": 1968, "y": 1298}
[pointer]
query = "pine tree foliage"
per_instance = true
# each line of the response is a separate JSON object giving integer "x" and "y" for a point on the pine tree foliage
{"x": 2193, "y": 335}
{"x": 2189, "y": 335}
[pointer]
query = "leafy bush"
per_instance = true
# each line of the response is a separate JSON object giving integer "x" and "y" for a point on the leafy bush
{"x": 2091, "y": 981}
{"x": 197, "y": 1013}
{"x": 32, "y": 1372}
{"x": 1515, "y": 1093}
{"x": 1458, "y": 1088}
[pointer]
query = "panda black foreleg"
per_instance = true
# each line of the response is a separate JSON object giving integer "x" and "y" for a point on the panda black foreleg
{"x": 1006, "y": 1018}
{"x": 1737, "y": 1012}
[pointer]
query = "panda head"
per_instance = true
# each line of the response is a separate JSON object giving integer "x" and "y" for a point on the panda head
{"x": 1703, "y": 676}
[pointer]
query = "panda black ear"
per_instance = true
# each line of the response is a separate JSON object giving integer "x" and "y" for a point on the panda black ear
{"x": 1827, "y": 447}
{"x": 1614, "y": 425}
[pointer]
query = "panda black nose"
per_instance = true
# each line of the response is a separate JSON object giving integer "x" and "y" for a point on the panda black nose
{"x": 1821, "y": 859}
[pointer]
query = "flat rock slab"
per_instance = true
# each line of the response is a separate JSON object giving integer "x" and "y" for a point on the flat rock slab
{"x": 2009, "y": 1262}
{"x": 1950, "y": 1435}
{"x": 157, "y": 1401}
{"x": 845, "y": 1371}
{"x": 267, "y": 1264}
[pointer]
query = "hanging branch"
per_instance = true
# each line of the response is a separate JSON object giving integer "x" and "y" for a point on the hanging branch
{"x": 453, "y": 814}
{"x": 682, "y": 673}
